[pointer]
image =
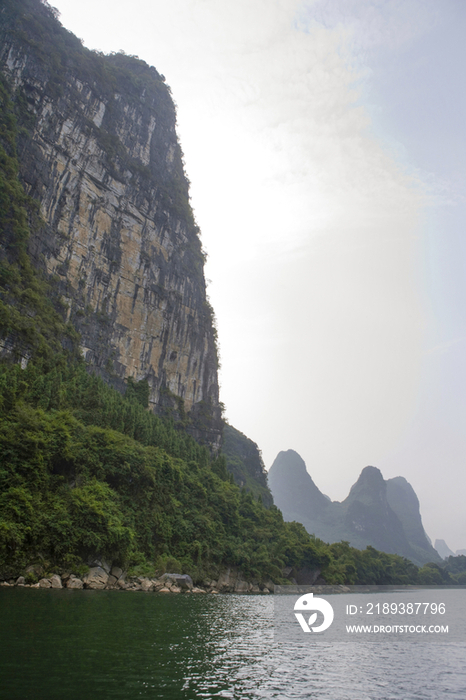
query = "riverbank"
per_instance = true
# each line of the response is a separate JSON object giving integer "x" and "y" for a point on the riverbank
{"x": 106, "y": 577}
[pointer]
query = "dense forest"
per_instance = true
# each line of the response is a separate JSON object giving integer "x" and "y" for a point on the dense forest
{"x": 86, "y": 470}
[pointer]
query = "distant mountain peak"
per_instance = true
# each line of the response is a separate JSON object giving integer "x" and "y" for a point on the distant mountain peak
{"x": 384, "y": 514}
{"x": 370, "y": 479}
{"x": 296, "y": 492}
{"x": 294, "y": 460}
{"x": 443, "y": 549}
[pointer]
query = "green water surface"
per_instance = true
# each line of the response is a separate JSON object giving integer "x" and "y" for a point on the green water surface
{"x": 67, "y": 645}
{"x": 112, "y": 644}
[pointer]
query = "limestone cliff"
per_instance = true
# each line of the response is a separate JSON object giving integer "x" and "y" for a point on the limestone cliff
{"x": 98, "y": 150}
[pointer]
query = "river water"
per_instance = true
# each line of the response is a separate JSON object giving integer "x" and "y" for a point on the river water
{"x": 57, "y": 644}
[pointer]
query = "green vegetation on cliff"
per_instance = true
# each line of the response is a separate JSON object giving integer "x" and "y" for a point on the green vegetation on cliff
{"x": 85, "y": 470}
{"x": 244, "y": 461}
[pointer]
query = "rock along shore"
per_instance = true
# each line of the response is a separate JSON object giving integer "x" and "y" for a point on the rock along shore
{"x": 103, "y": 576}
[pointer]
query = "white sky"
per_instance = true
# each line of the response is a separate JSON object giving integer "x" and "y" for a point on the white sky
{"x": 324, "y": 141}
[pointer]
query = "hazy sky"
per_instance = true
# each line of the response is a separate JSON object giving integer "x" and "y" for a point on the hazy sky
{"x": 325, "y": 145}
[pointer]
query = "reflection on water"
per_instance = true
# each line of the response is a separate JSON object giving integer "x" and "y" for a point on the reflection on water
{"x": 55, "y": 644}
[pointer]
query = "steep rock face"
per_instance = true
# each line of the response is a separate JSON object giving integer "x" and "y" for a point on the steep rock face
{"x": 98, "y": 150}
{"x": 404, "y": 502}
{"x": 369, "y": 517}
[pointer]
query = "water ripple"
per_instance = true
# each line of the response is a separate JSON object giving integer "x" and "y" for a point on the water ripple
{"x": 131, "y": 645}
